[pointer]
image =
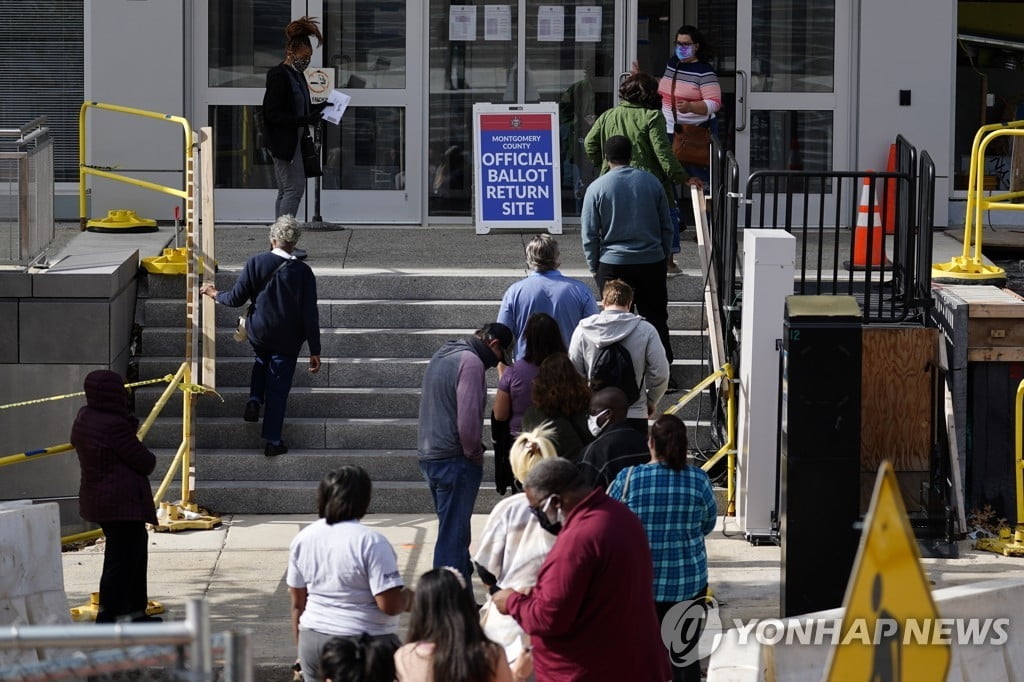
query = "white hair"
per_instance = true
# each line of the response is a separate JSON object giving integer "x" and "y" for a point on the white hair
{"x": 285, "y": 230}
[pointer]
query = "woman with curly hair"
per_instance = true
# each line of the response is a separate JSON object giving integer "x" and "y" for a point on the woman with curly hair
{"x": 288, "y": 113}
{"x": 446, "y": 642}
{"x": 561, "y": 396}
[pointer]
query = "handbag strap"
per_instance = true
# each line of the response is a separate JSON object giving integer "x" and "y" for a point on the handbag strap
{"x": 675, "y": 111}
{"x": 625, "y": 485}
{"x": 252, "y": 306}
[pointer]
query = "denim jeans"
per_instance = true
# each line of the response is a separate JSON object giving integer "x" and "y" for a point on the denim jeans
{"x": 454, "y": 483}
{"x": 269, "y": 384}
{"x": 291, "y": 184}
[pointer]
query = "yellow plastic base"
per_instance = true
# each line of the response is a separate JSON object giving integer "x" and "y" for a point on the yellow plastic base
{"x": 86, "y": 613}
{"x": 122, "y": 220}
{"x": 1005, "y": 544}
{"x": 172, "y": 518}
{"x": 172, "y": 262}
{"x": 968, "y": 269}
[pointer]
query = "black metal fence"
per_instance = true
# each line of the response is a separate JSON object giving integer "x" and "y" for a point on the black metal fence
{"x": 840, "y": 220}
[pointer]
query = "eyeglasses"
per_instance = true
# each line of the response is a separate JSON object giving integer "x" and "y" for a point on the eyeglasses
{"x": 541, "y": 510}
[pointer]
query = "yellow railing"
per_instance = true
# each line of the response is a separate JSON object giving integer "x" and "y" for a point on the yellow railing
{"x": 180, "y": 380}
{"x": 728, "y": 448}
{"x": 1012, "y": 543}
{"x": 969, "y": 265}
{"x": 84, "y": 169}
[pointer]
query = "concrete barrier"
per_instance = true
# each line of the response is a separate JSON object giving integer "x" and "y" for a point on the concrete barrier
{"x": 31, "y": 572}
{"x": 743, "y": 659}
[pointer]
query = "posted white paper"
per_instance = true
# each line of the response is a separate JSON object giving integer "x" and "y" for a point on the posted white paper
{"x": 462, "y": 22}
{"x": 551, "y": 23}
{"x": 337, "y": 103}
{"x": 497, "y": 22}
{"x": 588, "y": 24}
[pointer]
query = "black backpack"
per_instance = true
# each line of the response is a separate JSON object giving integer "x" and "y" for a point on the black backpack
{"x": 613, "y": 366}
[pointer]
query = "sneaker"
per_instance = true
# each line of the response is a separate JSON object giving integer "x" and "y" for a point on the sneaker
{"x": 252, "y": 411}
{"x": 274, "y": 450}
{"x": 673, "y": 269}
{"x": 148, "y": 619}
{"x": 299, "y": 253}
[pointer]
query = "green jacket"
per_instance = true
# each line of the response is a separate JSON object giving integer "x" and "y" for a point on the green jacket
{"x": 645, "y": 128}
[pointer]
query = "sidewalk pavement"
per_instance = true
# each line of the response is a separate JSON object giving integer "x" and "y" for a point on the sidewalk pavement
{"x": 239, "y": 568}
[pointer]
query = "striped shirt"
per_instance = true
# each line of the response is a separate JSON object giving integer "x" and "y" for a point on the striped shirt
{"x": 677, "y": 509}
{"x": 695, "y": 81}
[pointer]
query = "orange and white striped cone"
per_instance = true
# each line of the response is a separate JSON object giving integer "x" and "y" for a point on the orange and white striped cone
{"x": 869, "y": 241}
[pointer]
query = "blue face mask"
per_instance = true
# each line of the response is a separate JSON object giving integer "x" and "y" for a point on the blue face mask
{"x": 684, "y": 53}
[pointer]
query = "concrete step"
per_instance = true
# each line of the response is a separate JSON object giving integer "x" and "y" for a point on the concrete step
{"x": 331, "y": 433}
{"x": 360, "y": 372}
{"x": 369, "y": 343}
{"x": 399, "y": 314}
{"x": 335, "y": 283}
{"x": 323, "y": 402}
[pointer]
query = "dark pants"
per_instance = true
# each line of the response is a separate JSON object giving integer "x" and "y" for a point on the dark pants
{"x": 454, "y": 484}
{"x": 650, "y": 293}
{"x": 270, "y": 384}
{"x": 687, "y": 673}
{"x": 123, "y": 583}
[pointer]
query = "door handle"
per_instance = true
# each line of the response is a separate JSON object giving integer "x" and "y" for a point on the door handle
{"x": 741, "y": 101}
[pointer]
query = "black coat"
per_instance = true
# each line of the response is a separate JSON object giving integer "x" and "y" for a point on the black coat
{"x": 115, "y": 465}
{"x": 281, "y": 118}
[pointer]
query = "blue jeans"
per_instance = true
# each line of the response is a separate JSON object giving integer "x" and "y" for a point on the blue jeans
{"x": 454, "y": 483}
{"x": 291, "y": 184}
{"x": 270, "y": 383}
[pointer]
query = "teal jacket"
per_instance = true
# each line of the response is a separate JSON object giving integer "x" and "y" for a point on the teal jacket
{"x": 645, "y": 128}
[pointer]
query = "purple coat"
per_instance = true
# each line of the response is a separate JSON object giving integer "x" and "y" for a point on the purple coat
{"x": 115, "y": 465}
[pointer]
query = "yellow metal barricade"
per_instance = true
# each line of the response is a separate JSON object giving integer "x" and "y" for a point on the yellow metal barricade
{"x": 1013, "y": 544}
{"x": 728, "y": 449}
{"x": 968, "y": 267}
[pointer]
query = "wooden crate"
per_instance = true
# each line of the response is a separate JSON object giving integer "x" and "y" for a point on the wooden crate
{"x": 995, "y": 323}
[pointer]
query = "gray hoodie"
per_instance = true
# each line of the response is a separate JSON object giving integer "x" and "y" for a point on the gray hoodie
{"x": 639, "y": 337}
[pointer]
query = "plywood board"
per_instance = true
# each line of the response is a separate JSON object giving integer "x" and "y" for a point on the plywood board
{"x": 896, "y": 401}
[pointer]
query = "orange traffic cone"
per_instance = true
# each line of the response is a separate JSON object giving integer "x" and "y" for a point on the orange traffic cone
{"x": 869, "y": 242}
{"x": 889, "y": 193}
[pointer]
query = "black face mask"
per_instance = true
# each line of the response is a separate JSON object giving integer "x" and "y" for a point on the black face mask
{"x": 544, "y": 521}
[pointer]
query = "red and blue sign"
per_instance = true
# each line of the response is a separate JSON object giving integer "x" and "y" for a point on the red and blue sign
{"x": 517, "y": 167}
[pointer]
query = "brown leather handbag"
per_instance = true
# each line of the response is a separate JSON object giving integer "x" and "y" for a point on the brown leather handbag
{"x": 691, "y": 144}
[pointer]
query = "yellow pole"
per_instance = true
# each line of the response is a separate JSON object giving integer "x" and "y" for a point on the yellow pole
{"x": 35, "y": 454}
{"x": 1018, "y": 442}
{"x": 186, "y": 440}
{"x": 82, "y": 218}
{"x": 159, "y": 405}
{"x": 730, "y": 431}
{"x": 79, "y": 537}
{"x": 169, "y": 476}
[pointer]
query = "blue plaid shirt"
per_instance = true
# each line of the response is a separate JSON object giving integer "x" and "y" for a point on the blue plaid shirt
{"x": 677, "y": 509}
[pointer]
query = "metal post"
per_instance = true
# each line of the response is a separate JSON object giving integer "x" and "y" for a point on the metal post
{"x": 197, "y": 616}
{"x": 238, "y": 656}
{"x": 318, "y": 223}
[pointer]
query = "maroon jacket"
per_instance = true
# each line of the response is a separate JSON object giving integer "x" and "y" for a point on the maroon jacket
{"x": 591, "y": 614}
{"x": 115, "y": 465}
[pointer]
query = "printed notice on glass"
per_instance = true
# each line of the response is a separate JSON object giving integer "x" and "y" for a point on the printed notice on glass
{"x": 461, "y": 23}
{"x": 588, "y": 24}
{"x": 551, "y": 23}
{"x": 497, "y": 22}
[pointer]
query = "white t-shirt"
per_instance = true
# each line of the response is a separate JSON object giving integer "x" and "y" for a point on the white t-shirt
{"x": 342, "y": 567}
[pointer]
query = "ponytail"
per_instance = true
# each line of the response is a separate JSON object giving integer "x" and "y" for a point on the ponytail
{"x": 297, "y": 33}
{"x": 670, "y": 443}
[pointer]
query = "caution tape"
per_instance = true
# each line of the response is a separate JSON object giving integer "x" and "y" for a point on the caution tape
{"x": 166, "y": 379}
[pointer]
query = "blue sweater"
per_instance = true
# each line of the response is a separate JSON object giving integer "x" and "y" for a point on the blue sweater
{"x": 284, "y": 315}
{"x": 625, "y": 219}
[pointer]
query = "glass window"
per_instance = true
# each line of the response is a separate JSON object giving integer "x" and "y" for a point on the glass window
{"x": 240, "y": 161}
{"x": 367, "y": 151}
{"x": 791, "y": 140}
{"x": 792, "y": 46}
{"x": 365, "y": 43}
{"x": 246, "y": 38}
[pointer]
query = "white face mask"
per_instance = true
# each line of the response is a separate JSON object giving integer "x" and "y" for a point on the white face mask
{"x": 593, "y": 425}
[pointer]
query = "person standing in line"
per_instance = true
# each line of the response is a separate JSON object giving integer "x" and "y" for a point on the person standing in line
{"x": 546, "y": 290}
{"x": 560, "y": 399}
{"x": 590, "y": 616}
{"x": 615, "y": 324}
{"x": 281, "y": 291}
{"x": 357, "y": 659}
{"x": 627, "y": 234}
{"x": 114, "y": 492}
{"x": 638, "y": 117}
{"x": 449, "y": 446}
{"x": 343, "y": 577}
{"x": 616, "y": 445}
{"x": 676, "y": 505}
{"x": 288, "y": 113}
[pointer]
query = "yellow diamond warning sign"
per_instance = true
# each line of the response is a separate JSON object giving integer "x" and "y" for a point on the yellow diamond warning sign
{"x": 891, "y": 630}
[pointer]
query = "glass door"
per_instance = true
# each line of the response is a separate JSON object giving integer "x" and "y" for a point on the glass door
{"x": 793, "y": 88}
{"x": 372, "y": 167}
